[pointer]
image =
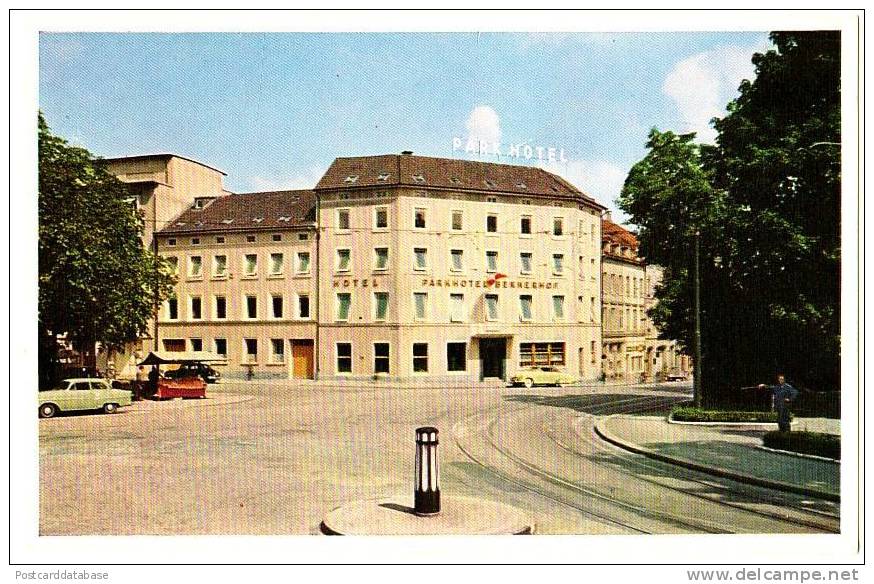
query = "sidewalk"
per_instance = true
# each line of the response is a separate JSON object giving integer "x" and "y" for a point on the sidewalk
{"x": 728, "y": 451}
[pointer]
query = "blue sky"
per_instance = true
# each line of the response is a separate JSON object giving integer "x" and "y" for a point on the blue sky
{"x": 273, "y": 110}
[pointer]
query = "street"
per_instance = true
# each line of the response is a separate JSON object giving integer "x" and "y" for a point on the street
{"x": 274, "y": 458}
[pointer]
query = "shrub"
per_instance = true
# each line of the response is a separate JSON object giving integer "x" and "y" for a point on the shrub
{"x": 686, "y": 414}
{"x": 827, "y": 445}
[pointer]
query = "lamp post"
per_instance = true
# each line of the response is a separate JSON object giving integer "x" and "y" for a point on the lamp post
{"x": 427, "y": 488}
{"x": 696, "y": 383}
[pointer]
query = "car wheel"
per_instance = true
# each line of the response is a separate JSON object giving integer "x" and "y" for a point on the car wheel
{"x": 47, "y": 411}
{"x": 529, "y": 383}
{"x": 110, "y": 408}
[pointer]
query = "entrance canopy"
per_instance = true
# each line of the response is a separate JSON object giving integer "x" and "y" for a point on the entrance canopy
{"x": 169, "y": 357}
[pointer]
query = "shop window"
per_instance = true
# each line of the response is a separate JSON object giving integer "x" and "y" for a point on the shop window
{"x": 456, "y": 360}
{"x": 380, "y": 358}
{"x": 420, "y": 357}
{"x": 541, "y": 354}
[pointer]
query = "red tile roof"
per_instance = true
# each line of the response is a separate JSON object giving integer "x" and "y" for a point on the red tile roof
{"x": 617, "y": 235}
{"x": 448, "y": 173}
{"x": 248, "y": 212}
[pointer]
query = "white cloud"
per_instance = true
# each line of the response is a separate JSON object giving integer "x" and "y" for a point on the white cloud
{"x": 702, "y": 85}
{"x": 600, "y": 179}
{"x": 305, "y": 179}
{"x": 484, "y": 124}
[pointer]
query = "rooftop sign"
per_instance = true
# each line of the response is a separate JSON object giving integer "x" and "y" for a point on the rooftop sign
{"x": 520, "y": 150}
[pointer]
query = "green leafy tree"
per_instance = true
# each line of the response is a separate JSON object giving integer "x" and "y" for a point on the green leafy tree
{"x": 766, "y": 201}
{"x": 97, "y": 282}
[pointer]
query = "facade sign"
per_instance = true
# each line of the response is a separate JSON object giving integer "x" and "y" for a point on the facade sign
{"x": 490, "y": 283}
{"x": 519, "y": 150}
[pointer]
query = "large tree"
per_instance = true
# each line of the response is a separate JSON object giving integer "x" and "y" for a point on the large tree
{"x": 766, "y": 200}
{"x": 97, "y": 282}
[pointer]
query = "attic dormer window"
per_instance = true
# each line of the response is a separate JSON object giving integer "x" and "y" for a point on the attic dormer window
{"x": 455, "y": 180}
{"x": 383, "y": 177}
{"x": 521, "y": 185}
{"x": 257, "y": 219}
{"x": 351, "y": 179}
{"x": 180, "y": 223}
{"x": 490, "y": 183}
{"x": 285, "y": 219}
{"x": 227, "y": 221}
{"x": 418, "y": 178}
{"x": 555, "y": 190}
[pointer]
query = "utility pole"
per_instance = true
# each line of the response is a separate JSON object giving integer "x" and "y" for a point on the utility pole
{"x": 696, "y": 384}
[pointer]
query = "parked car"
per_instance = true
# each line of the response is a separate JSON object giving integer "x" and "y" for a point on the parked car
{"x": 82, "y": 394}
{"x": 186, "y": 370}
{"x": 542, "y": 375}
{"x": 676, "y": 376}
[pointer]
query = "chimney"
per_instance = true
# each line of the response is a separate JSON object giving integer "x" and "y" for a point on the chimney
{"x": 608, "y": 215}
{"x": 407, "y": 152}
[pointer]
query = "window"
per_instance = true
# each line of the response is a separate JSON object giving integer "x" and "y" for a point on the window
{"x": 525, "y": 225}
{"x": 558, "y": 226}
{"x": 251, "y": 348}
{"x": 221, "y": 307}
{"x": 592, "y": 348}
{"x": 457, "y": 221}
{"x": 277, "y": 306}
{"x": 457, "y": 260}
{"x": 303, "y": 262}
{"x": 195, "y": 267}
{"x": 171, "y": 241}
{"x": 421, "y": 255}
{"x": 276, "y": 261}
{"x": 420, "y": 300}
{"x": 344, "y": 357}
{"x": 491, "y": 261}
{"x": 558, "y": 307}
{"x": 380, "y": 308}
{"x": 456, "y": 307}
{"x": 343, "y": 260}
{"x": 525, "y": 306}
{"x": 592, "y": 315}
{"x": 342, "y": 219}
{"x": 196, "y": 313}
{"x": 419, "y": 219}
{"x": 251, "y": 307}
{"x": 174, "y": 265}
{"x": 344, "y": 301}
{"x": 557, "y": 263}
{"x": 196, "y": 344}
{"x": 380, "y": 358}
{"x": 220, "y": 239}
{"x": 277, "y": 237}
{"x": 420, "y": 357}
{"x": 381, "y": 258}
{"x": 492, "y": 223}
{"x": 250, "y": 264}
{"x": 250, "y": 239}
{"x": 455, "y": 357}
{"x": 302, "y": 237}
{"x": 172, "y": 308}
{"x": 525, "y": 262}
{"x": 492, "y": 184}
{"x": 221, "y": 347}
{"x": 491, "y": 307}
{"x": 195, "y": 241}
{"x": 380, "y": 218}
{"x": 546, "y": 354}
{"x": 303, "y": 305}
{"x": 277, "y": 350}
{"x": 220, "y": 266}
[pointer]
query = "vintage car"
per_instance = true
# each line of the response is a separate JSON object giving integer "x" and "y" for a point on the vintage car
{"x": 542, "y": 375}
{"x": 82, "y": 394}
{"x": 201, "y": 370}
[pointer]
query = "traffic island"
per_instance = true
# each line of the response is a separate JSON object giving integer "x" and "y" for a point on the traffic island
{"x": 457, "y": 516}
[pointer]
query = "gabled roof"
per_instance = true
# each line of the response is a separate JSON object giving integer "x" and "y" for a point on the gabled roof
{"x": 447, "y": 173}
{"x": 161, "y": 156}
{"x": 617, "y": 235}
{"x": 248, "y": 212}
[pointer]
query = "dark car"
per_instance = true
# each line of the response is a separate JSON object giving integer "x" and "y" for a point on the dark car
{"x": 202, "y": 370}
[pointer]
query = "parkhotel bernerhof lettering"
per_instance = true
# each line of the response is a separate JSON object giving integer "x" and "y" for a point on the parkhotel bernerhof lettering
{"x": 521, "y": 150}
{"x": 493, "y": 283}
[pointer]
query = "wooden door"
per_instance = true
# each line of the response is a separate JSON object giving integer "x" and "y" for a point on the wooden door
{"x": 303, "y": 359}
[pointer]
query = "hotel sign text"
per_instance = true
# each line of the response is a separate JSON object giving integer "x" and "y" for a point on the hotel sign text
{"x": 453, "y": 283}
{"x": 522, "y": 150}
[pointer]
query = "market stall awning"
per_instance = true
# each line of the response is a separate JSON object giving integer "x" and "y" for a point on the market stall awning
{"x": 168, "y": 357}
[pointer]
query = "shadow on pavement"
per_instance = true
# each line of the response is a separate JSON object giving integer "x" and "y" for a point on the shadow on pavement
{"x": 601, "y": 403}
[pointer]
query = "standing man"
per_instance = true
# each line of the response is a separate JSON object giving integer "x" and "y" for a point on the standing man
{"x": 784, "y": 394}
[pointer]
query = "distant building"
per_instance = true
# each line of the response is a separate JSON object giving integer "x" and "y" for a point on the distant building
{"x": 632, "y": 350}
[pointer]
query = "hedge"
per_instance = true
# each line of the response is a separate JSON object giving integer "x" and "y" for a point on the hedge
{"x": 686, "y": 414}
{"x": 827, "y": 445}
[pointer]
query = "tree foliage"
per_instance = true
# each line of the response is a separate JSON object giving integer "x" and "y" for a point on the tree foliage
{"x": 97, "y": 282}
{"x": 766, "y": 200}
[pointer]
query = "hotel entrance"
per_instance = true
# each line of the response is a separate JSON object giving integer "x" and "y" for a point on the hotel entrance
{"x": 493, "y": 357}
{"x": 302, "y": 362}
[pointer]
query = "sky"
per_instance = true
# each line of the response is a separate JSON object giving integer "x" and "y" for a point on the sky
{"x": 273, "y": 110}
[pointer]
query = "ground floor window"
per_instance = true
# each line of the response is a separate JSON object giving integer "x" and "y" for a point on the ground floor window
{"x": 221, "y": 347}
{"x": 196, "y": 344}
{"x": 251, "y": 350}
{"x": 344, "y": 357}
{"x": 420, "y": 357}
{"x": 456, "y": 359}
{"x": 174, "y": 345}
{"x": 278, "y": 350}
{"x": 380, "y": 358}
{"x": 537, "y": 354}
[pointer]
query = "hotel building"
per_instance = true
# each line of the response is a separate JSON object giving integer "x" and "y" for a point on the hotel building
{"x": 397, "y": 266}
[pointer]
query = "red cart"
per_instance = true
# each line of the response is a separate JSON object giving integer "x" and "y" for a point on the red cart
{"x": 187, "y": 387}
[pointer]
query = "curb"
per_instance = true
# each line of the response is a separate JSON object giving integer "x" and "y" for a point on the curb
{"x": 761, "y": 425}
{"x": 719, "y": 472}
{"x": 800, "y": 454}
